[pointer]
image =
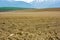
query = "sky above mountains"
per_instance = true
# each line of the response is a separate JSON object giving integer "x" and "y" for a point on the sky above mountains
{"x": 30, "y": 3}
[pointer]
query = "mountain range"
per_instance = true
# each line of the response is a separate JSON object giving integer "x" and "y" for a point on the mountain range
{"x": 20, "y": 4}
{"x": 33, "y": 4}
{"x": 46, "y": 4}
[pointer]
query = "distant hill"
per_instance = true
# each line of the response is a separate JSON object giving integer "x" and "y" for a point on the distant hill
{"x": 42, "y": 10}
{"x": 20, "y": 4}
{"x": 3, "y": 9}
{"x": 48, "y": 9}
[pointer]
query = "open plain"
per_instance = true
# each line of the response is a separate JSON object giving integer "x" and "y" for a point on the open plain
{"x": 30, "y": 25}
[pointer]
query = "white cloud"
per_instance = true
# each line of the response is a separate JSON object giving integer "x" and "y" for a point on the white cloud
{"x": 28, "y": 1}
{"x": 46, "y": 0}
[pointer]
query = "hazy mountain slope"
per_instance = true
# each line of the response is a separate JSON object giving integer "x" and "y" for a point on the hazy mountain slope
{"x": 46, "y": 4}
{"x": 34, "y": 4}
{"x": 15, "y": 4}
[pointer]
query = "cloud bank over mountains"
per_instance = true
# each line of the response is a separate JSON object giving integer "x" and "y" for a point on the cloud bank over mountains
{"x": 33, "y": 0}
{"x": 46, "y": 3}
{"x": 30, "y": 3}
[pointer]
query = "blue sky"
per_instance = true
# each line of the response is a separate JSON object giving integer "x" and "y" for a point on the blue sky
{"x": 37, "y": 3}
{"x": 28, "y": 1}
